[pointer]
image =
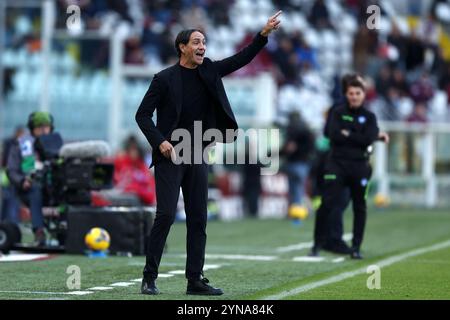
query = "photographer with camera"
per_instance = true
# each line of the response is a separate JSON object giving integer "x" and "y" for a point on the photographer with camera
{"x": 22, "y": 163}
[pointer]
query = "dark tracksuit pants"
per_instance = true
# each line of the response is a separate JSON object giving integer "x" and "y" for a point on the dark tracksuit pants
{"x": 335, "y": 229}
{"x": 193, "y": 180}
{"x": 339, "y": 175}
{"x": 336, "y": 224}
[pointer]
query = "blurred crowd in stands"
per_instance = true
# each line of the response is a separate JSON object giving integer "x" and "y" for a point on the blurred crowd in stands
{"x": 407, "y": 72}
{"x": 405, "y": 61}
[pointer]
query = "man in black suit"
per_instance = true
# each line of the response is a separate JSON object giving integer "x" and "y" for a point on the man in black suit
{"x": 187, "y": 92}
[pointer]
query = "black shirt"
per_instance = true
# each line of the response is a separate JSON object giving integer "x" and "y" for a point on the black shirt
{"x": 363, "y": 128}
{"x": 196, "y": 99}
{"x": 326, "y": 127}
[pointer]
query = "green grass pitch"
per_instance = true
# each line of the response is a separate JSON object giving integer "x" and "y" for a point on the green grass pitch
{"x": 273, "y": 272}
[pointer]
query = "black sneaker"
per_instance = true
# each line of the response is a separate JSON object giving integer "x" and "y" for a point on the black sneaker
{"x": 339, "y": 247}
{"x": 355, "y": 254}
{"x": 314, "y": 252}
{"x": 202, "y": 288}
{"x": 149, "y": 287}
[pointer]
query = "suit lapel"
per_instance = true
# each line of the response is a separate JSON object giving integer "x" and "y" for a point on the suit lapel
{"x": 177, "y": 88}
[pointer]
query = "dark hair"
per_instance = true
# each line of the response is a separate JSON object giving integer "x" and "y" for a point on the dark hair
{"x": 355, "y": 83}
{"x": 183, "y": 37}
{"x": 132, "y": 141}
{"x": 346, "y": 79}
{"x": 352, "y": 80}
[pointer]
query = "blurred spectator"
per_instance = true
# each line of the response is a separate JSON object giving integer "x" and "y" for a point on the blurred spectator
{"x": 371, "y": 92}
{"x": 306, "y": 54}
{"x": 398, "y": 82}
{"x": 133, "y": 51}
{"x": 94, "y": 54}
{"x": 218, "y": 12}
{"x": 399, "y": 42}
{"x": 361, "y": 49}
{"x": 419, "y": 113}
{"x": 167, "y": 49}
{"x": 194, "y": 17}
{"x": 287, "y": 4}
{"x": 353, "y": 6}
{"x": 393, "y": 59}
{"x": 121, "y": 7}
{"x": 251, "y": 186}
{"x": 131, "y": 174}
{"x": 382, "y": 81}
{"x": 361, "y": 9}
{"x": 422, "y": 90}
{"x": 162, "y": 10}
{"x": 8, "y": 85}
{"x": 415, "y": 52}
{"x": 392, "y": 107}
{"x": 286, "y": 60}
{"x": 444, "y": 79}
{"x": 297, "y": 150}
{"x": 319, "y": 16}
{"x": 428, "y": 31}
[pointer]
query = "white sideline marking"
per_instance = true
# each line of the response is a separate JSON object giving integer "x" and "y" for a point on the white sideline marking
{"x": 346, "y": 275}
{"x": 347, "y": 236}
{"x": 308, "y": 259}
{"x": 142, "y": 264}
{"x": 306, "y": 245}
{"x": 211, "y": 266}
{"x": 111, "y": 286}
{"x": 236, "y": 257}
{"x": 165, "y": 275}
{"x": 338, "y": 260}
{"x": 176, "y": 272}
{"x": 122, "y": 284}
{"x": 21, "y": 257}
{"x": 240, "y": 257}
{"x": 161, "y": 275}
{"x": 205, "y": 267}
{"x": 79, "y": 293}
{"x": 294, "y": 247}
{"x": 317, "y": 259}
{"x": 100, "y": 288}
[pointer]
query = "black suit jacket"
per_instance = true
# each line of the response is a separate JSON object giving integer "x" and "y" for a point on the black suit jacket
{"x": 165, "y": 96}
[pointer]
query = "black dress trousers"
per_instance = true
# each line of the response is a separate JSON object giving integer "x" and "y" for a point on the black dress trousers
{"x": 193, "y": 180}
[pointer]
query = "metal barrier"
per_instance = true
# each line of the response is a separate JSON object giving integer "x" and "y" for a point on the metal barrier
{"x": 418, "y": 159}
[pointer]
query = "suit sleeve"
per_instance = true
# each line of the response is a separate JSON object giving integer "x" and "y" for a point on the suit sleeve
{"x": 243, "y": 57}
{"x": 150, "y": 102}
{"x": 369, "y": 135}
{"x": 13, "y": 169}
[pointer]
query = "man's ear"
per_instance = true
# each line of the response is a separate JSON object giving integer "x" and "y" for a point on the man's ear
{"x": 182, "y": 46}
